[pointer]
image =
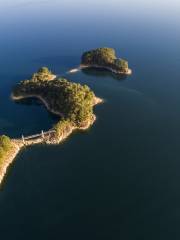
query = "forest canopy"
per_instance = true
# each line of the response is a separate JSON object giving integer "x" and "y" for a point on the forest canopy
{"x": 73, "y": 100}
{"x": 43, "y": 74}
{"x": 5, "y": 147}
{"x": 104, "y": 57}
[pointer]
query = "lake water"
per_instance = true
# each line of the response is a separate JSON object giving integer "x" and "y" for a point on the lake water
{"x": 120, "y": 179}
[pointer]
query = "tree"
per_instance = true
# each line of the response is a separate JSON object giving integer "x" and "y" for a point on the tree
{"x": 121, "y": 64}
{"x": 5, "y": 142}
{"x": 44, "y": 70}
{"x": 5, "y": 146}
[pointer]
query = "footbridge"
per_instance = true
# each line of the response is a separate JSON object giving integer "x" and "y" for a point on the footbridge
{"x": 42, "y": 135}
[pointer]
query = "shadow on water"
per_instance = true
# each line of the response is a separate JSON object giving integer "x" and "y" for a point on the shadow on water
{"x": 29, "y": 101}
{"x": 103, "y": 73}
{"x": 36, "y": 102}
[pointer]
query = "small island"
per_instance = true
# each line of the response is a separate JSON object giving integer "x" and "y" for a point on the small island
{"x": 105, "y": 58}
{"x": 72, "y": 102}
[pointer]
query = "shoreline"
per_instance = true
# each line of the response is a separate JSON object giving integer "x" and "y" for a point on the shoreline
{"x": 97, "y": 100}
{"x": 39, "y": 98}
{"x": 83, "y": 66}
{"x": 52, "y": 77}
{"x": 51, "y": 139}
{"x": 14, "y": 98}
{"x": 8, "y": 159}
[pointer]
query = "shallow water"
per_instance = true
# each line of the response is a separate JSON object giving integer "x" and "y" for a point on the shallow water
{"x": 120, "y": 179}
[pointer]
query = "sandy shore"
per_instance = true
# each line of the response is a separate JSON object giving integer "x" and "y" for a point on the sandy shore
{"x": 52, "y": 77}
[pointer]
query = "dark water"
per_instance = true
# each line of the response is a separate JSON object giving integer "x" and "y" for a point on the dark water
{"x": 121, "y": 179}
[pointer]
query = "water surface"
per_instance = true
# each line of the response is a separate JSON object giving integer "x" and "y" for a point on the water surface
{"x": 120, "y": 179}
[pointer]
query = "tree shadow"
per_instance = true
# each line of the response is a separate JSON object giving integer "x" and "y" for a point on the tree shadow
{"x": 32, "y": 101}
{"x": 29, "y": 102}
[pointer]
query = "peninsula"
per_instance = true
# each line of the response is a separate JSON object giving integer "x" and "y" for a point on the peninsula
{"x": 72, "y": 102}
{"x": 105, "y": 58}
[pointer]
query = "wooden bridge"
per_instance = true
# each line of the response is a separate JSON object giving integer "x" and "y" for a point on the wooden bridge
{"x": 39, "y": 135}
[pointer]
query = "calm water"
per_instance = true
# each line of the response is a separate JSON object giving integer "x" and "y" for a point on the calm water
{"x": 121, "y": 179}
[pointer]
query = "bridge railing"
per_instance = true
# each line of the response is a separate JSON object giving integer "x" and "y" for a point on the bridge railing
{"x": 42, "y": 134}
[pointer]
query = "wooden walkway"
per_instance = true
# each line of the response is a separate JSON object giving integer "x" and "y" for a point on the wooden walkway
{"x": 42, "y": 134}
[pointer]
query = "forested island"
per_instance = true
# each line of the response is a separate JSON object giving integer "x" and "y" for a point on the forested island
{"x": 105, "y": 58}
{"x": 72, "y": 102}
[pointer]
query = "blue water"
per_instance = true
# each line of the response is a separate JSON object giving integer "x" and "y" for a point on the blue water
{"x": 120, "y": 179}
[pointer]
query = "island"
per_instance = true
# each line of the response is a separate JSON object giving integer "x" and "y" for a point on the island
{"x": 105, "y": 58}
{"x": 72, "y": 102}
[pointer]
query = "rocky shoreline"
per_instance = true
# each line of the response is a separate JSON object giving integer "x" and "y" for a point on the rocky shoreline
{"x": 128, "y": 72}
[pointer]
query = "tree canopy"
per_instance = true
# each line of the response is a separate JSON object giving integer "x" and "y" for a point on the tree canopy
{"x": 73, "y": 100}
{"x": 5, "y": 146}
{"x": 104, "y": 57}
{"x": 42, "y": 74}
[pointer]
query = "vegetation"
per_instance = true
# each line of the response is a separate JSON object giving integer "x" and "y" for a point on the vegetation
{"x": 72, "y": 100}
{"x": 62, "y": 126}
{"x": 5, "y": 147}
{"x": 104, "y": 57}
{"x": 43, "y": 74}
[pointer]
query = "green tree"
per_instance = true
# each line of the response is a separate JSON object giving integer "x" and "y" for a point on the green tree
{"x": 5, "y": 142}
{"x": 121, "y": 63}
